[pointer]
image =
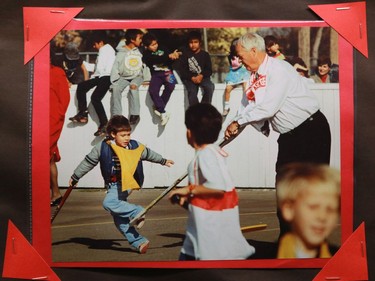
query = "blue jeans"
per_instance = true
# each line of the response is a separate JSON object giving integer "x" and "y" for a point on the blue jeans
{"x": 122, "y": 212}
{"x": 192, "y": 91}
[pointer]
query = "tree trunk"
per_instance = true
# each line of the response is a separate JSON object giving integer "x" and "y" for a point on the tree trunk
{"x": 334, "y": 47}
{"x": 304, "y": 45}
{"x": 315, "y": 49}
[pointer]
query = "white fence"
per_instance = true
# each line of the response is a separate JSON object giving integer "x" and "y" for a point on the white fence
{"x": 252, "y": 156}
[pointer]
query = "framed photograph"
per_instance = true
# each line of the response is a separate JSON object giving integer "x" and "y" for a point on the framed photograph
{"x": 84, "y": 235}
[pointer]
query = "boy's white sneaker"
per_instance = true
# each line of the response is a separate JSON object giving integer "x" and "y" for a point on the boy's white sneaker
{"x": 157, "y": 112}
{"x": 142, "y": 249}
{"x": 164, "y": 118}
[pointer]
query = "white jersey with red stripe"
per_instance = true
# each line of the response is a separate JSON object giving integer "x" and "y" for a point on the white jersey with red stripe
{"x": 213, "y": 228}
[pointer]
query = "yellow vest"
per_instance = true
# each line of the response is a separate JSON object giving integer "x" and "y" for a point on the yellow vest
{"x": 287, "y": 248}
{"x": 129, "y": 159}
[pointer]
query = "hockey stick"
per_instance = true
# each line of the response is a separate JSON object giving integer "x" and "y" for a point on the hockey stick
{"x": 180, "y": 179}
{"x": 63, "y": 199}
{"x": 253, "y": 227}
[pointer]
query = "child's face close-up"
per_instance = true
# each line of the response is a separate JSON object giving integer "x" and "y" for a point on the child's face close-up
{"x": 316, "y": 212}
{"x": 274, "y": 48}
{"x": 121, "y": 138}
{"x": 138, "y": 41}
{"x": 194, "y": 45}
{"x": 98, "y": 45}
{"x": 323, "y": 69}
{"x": 153, "y": 47}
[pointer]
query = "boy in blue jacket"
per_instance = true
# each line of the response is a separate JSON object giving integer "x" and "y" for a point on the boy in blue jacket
{"x": 121, "y": 165}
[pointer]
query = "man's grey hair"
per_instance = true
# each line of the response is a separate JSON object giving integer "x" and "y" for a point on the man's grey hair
{"x": 252, "y": 40}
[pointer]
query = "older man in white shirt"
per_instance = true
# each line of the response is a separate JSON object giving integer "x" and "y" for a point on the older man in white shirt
{"x": 276, "y": 94}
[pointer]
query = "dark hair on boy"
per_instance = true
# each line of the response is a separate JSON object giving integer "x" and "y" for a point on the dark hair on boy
{"x": 232, "y": 48}
{"x": 299, "y": 65}
{"x": 117, "y": 123}
{"x": 324, "y": 60}
{"x": 148, "y": 38}
{"x": 131, "y": 34}
{"x": 270, "y": 40}
{"x": 195, "y": 34}
{"x": 204, "y": 121}
{"x": 98, "y": 36}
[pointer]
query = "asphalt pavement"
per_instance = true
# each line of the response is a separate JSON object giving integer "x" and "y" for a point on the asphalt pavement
{"x": 84, "y": 232}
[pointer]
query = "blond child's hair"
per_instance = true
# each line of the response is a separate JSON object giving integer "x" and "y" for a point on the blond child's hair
{"x": 294, "y": 178}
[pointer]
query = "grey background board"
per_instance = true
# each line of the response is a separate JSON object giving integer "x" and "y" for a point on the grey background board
{"x": 15, "y": 177}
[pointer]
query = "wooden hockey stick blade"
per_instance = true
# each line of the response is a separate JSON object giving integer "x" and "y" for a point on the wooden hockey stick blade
{"x": 157, "y": 199}
{"x": 58, "y": 208}
{"x": 255, "y": 227}
{"x": 180, "y": 179}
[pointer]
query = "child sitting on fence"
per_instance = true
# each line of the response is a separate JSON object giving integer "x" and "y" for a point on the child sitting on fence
{"x": 159, "y": 61}
{"x": 237, "y": 75}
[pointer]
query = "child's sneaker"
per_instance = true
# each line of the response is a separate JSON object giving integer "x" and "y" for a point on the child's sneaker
{"x": 140, "y": 222}
{"x": 134, "y": 119}
{"x": 81, "y": 117}
{"x": 142, "y": 249}
{"x": 157, "y": 113}
{"x": 100, "y": 132}
{"x": 164, "y": 118}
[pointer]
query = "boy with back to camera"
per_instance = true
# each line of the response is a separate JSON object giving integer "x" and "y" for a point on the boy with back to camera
{"x": 120, "y": 159}
{"x": 159, "y": 60}
{"x": 196, "y": 70}
{"x": 127, "y": 71}
{"x": 213, "y": 227}
{"x": 308, "y": 196}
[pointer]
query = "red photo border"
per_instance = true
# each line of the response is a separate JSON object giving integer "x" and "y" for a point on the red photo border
{"x": 41, "y": 226}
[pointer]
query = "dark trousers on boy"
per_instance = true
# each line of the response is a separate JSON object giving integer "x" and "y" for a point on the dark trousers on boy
{"x": 158, "y": 79}
{"x": 192, "y": 91}
{"x": 102, "y": 85}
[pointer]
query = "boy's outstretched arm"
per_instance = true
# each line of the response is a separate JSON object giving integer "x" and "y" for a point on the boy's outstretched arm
{"x": 152, "y": 156}
{"x": 175, "y": 55}
{"x": 72, "y": 182}
{"x": 169, "y": 163}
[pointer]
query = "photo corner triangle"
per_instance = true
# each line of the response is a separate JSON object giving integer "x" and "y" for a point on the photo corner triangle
{"x": 348, "y": 19}
{"x": 22, "y": 261}
{"x": 41, "y": 24}
{"x": 350, "y": 261}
